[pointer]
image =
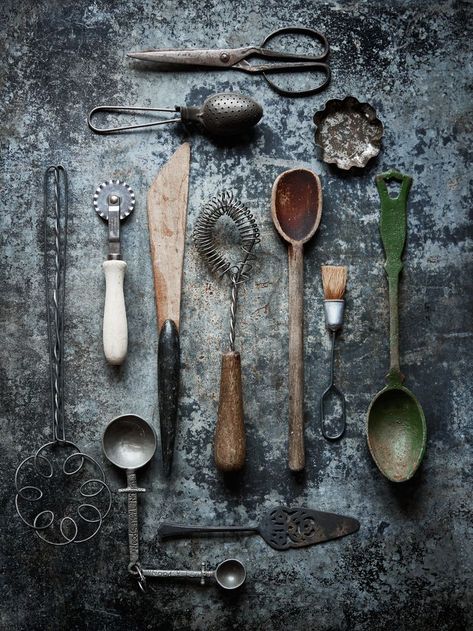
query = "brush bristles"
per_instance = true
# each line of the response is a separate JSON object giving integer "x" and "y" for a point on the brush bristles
{"x": 334, "y": 280}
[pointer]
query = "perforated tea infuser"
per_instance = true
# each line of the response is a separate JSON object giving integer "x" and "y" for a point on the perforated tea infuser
{"x": 223, "y": 114}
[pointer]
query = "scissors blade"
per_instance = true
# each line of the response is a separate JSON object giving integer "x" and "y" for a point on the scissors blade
{"x": 219, "y": 58}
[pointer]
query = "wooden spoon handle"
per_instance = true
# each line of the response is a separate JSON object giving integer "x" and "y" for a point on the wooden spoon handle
{"x": 229, "y": 440}
{"x": 296, "y": 358}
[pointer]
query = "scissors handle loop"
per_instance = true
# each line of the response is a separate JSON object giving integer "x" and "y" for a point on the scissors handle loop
{"x": 310, "y": 32}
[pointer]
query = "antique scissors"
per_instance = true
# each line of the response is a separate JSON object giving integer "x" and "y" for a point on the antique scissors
{"x": 237, "y": 59}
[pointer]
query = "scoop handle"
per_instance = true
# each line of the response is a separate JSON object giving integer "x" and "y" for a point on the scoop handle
{"x": 132, "y": 491}
{"x": 115, "y": 328}
{"x": 393, "y": 229}
{"x": 296, "y": 357}
{"x": 229, "y": 440}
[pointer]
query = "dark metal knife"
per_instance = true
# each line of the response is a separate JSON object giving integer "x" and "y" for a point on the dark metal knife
{"x": 167, "y": 219}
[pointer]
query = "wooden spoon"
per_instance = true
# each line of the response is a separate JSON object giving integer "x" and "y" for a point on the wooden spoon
{"x": 296, "y": 208}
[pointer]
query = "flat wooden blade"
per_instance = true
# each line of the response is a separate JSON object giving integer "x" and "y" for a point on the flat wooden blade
{"x": 167, "y": 219}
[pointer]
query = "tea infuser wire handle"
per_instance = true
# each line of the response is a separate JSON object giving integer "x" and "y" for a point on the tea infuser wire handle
{"x": 123, "y": 110}
{"x": 333, "y": 388}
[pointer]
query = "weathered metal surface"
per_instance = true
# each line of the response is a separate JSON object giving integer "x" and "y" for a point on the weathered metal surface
{"x": 409, "y": 567}
{"x": 287, "y": 61}
{"x": 348, "y": 132}
{"x": 282, "y": 528}
{"x": 396, "y": 424}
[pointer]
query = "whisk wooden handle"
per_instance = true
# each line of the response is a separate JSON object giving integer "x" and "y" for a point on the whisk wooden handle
{"x": 229, "y": 440}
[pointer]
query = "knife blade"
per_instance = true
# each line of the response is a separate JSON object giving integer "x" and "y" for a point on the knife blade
{"x": 167, "y": 220}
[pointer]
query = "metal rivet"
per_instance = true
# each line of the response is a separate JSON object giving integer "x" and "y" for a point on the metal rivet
{"x": 225, "y": 57}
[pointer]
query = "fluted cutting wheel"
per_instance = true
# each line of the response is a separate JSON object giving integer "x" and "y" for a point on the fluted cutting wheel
{"x": 114, "y": 187}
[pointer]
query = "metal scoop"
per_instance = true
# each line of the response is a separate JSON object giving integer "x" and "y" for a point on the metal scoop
{"x": 229, "y": 574}
{"x": 129, "y": 442}
{"x": 223, "y": 114}
{"x": 397, "y": 431}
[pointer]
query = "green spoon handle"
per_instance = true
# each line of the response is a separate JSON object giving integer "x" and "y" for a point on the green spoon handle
{"x": 393, "y": 227}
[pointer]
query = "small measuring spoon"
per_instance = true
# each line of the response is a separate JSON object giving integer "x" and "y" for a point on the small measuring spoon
{"x": 229, "y": 574}
{"x": 296, "y": 208}
{"x": 396, "y": 428}
{"x": 129, "y": 442}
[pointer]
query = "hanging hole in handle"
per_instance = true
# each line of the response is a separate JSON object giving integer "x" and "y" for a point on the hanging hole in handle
{"x": 394, "y": 187}
{"x": 333, "y": 413}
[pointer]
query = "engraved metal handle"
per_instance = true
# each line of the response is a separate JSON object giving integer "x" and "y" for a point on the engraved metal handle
{"x": 202, "y": 574}
{"x": 133, "y": 534}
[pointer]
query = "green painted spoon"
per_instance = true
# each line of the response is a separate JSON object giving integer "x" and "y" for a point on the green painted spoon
{"x": 396, "y": 429}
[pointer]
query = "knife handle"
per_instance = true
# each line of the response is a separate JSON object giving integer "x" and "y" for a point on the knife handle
{"x": 169, "y": 360}
{"x": 170, "y": 530}
{"x": 115, "y": 328}
{"x": 229, "y": 440}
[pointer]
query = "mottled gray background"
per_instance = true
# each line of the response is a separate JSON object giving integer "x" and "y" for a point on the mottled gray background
{"x": 409, "y": 567}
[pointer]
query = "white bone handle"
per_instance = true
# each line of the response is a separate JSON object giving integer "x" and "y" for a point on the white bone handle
{"x": 115, "y": 329}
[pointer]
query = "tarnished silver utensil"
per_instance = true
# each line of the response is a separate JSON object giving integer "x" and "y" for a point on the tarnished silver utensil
{"x": 229, "y": 574}
{"x": 222, "y": 114}
{"x": 129, "y": 442}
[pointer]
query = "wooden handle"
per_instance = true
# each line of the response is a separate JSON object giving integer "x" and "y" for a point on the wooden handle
{"x": 229, "y": 441}
{"x": 168, "y": 389}
{"x": 296, "y": 358}
{"x": 115, "y": 329}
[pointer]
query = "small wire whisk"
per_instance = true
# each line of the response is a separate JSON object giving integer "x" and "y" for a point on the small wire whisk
{"x": 229, "y": 441}
{"x": 58, "y": 487}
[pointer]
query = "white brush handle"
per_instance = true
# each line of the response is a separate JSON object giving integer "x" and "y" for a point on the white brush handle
{"x": 115, "y": 330}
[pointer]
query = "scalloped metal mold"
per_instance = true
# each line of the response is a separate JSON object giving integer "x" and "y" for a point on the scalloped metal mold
{"x": 348, "y": 132}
